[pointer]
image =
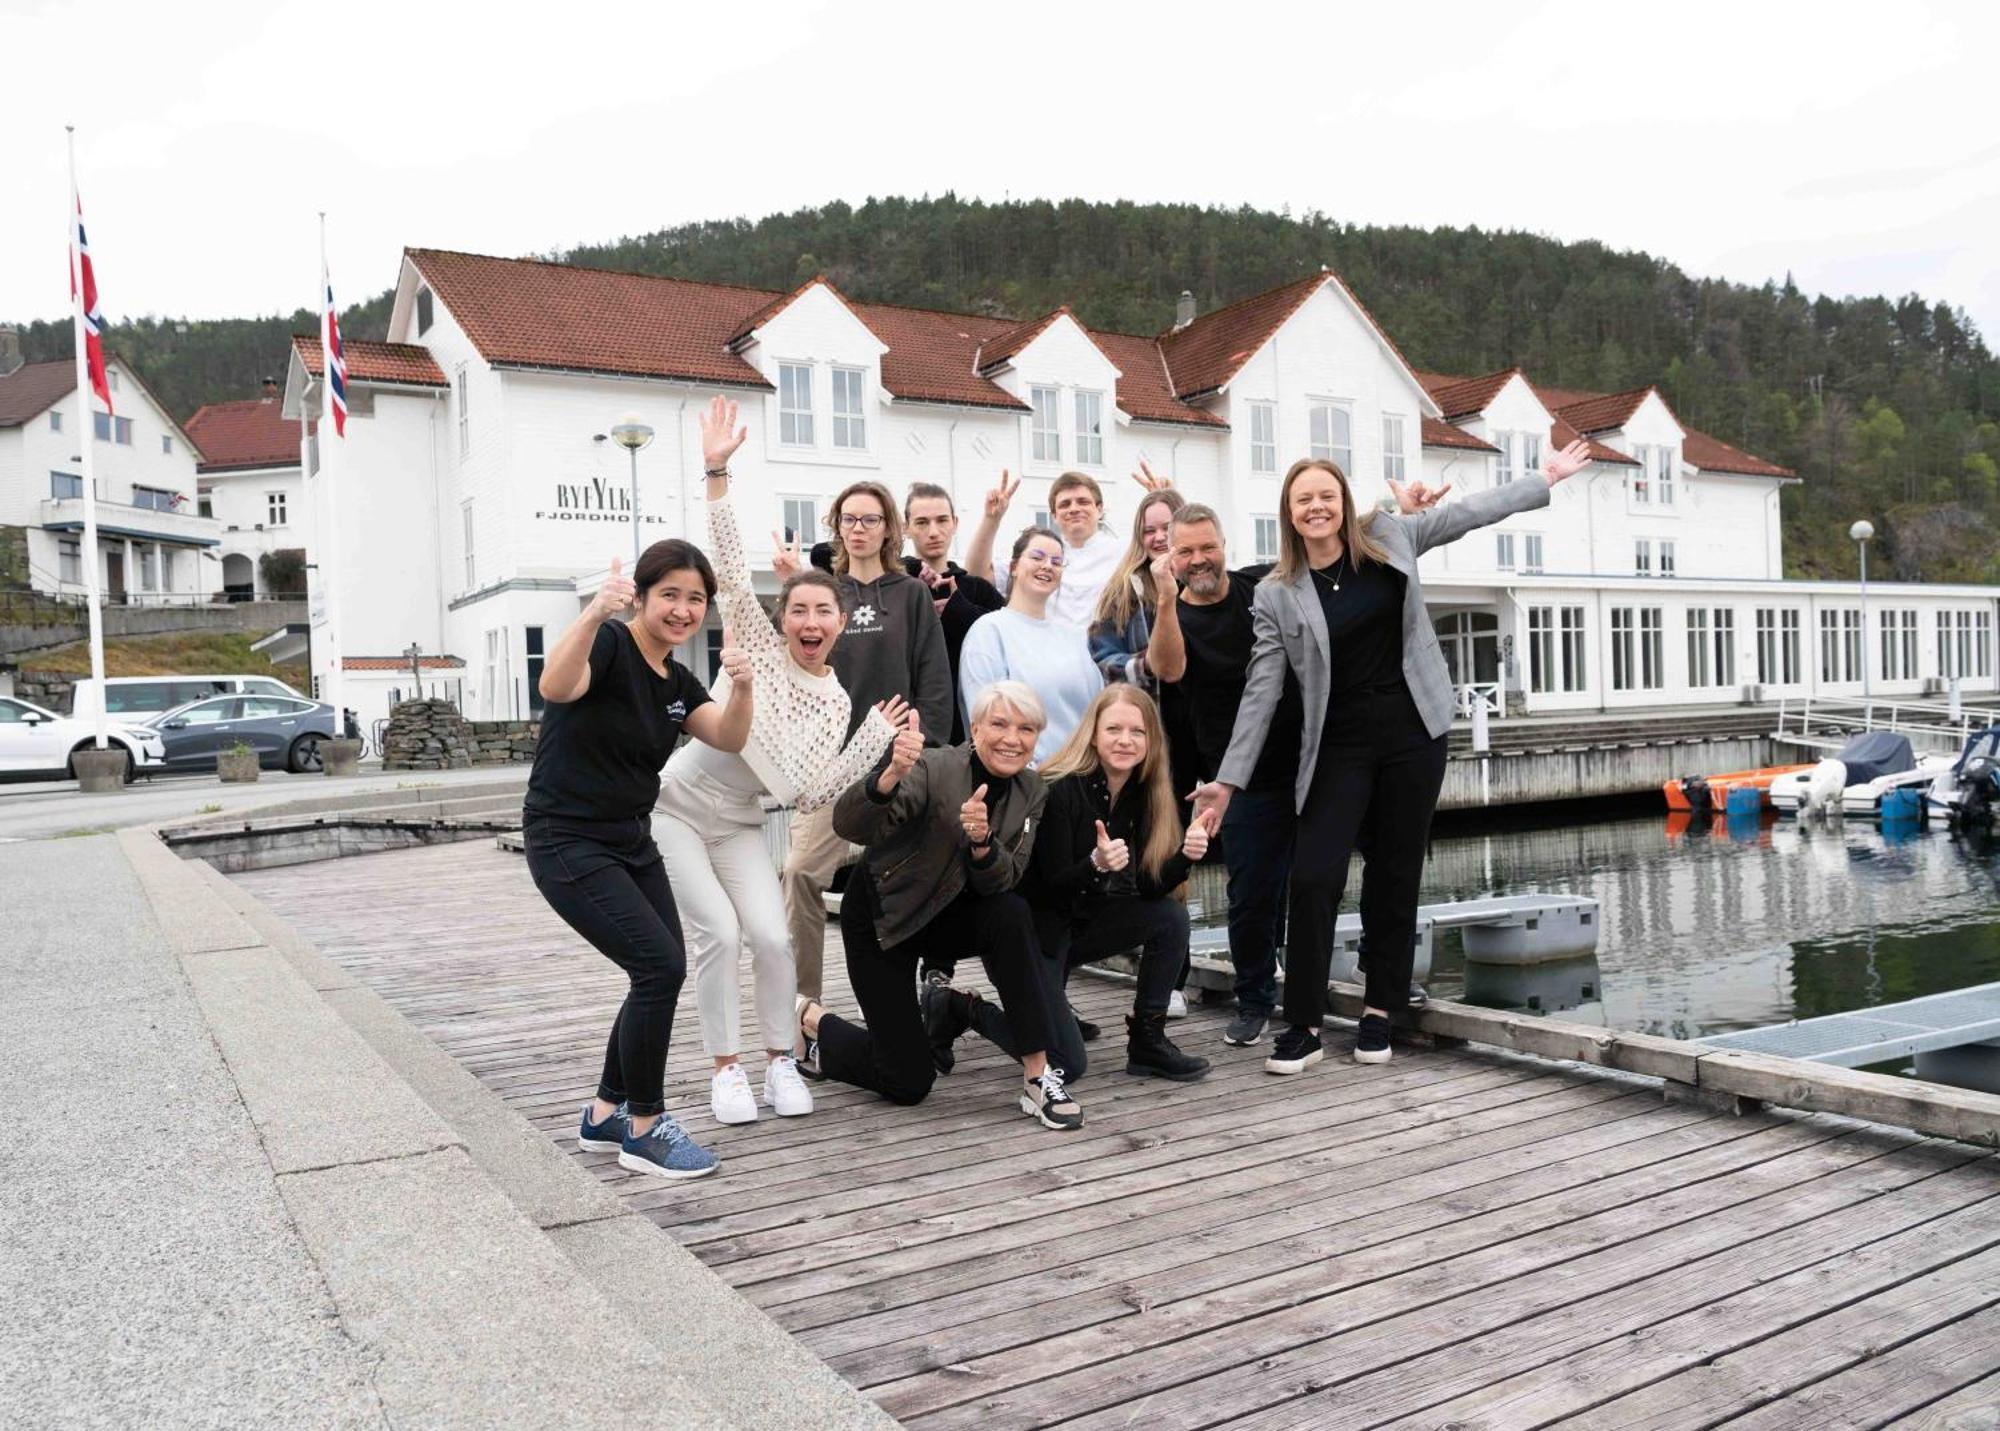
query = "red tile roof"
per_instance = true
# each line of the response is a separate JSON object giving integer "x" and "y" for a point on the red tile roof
{"x": 401, "y": 663}
{"x": 1464, "y": 397}
{"x": 29, "y": 391}
{"x": 236, "y": 436}
{"x": 1206, "y": 354}
{"x": 1145, "y": 391}
{"x": 1711, "y": 454}
{"x": 1443, "y": 434}
{"x": 1000, "y": 348}
{"x": 931, "y": 354}
{"x": 1603, "y": 414}
{"x": 370, "y": 362}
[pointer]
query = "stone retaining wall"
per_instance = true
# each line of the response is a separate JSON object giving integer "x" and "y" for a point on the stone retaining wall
{"x": 431, "y": 735}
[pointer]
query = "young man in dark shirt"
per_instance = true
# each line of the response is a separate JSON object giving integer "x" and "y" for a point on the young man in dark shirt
{"x": 1201, "y": 644}
{"x": 961, "y": 598}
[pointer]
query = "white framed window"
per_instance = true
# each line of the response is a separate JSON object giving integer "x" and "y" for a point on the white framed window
{"x": 1899, "y": 645}
{"x": 1724, "y": 620}
{"x": 1264, "y": 538}
{"x": 1697, "y": 643}
{"x": 111, "y": 379}
{"x": 1840, "y": 645}
{"x": 204, "y": 501}
{"x": 65, "y": 484}
{"x": 495, "y": 644}
{"x": 1264, "y": 437}
{"x": 1089, "y": 429}
{"x": 149, "y": 567}
{"x": 1531, "y": 552}
{"x": 1503, "y": 551}
{"x": 69, "y": 560}
{"x": 1330, "y": 434}
{"x": 1556, "y": 648}
{"x": 466, "y": 525}
{"x": 1777, "y": 646}
{"x": 1965, "y": 643}
{"x": 1043, "y": 428}
{"x": 166, "y": 445}
{"x": 1664, "y": 476}
{"x": 1666, "y": 558}
{"x": 1531, "y": 453}
{"x": 850, "y": 426}
{"x": 1642, "y": 556}
{"x": 153, "y": 499}
{"x": 533, "y": 644}
{"x": 801, "y": 519}
{"x": 274, "y": 506}
{"x": 461, "y": 390}
{"x": 1638, "y": 648}
{"x": 1395, "y": 461}
{"x": 1503, "y": 465}
{"x": 55, "y": 419}
{"x": 116, "y": 430}
{"x": 1640, "y": 487}
{"x": 795, "y": 404}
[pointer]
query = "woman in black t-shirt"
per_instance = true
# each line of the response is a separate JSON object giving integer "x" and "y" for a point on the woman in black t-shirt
{"x": 616, "y": 702}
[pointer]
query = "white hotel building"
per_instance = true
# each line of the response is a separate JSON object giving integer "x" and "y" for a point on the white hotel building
{"x": 478, "y": 500}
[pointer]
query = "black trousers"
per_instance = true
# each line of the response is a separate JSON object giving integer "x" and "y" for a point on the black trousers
{"x": 1158, "y": 927}
{"x": 1374, "y": 788}
{"x": 890, "y": 1054}
{"x": 612, "y": 889}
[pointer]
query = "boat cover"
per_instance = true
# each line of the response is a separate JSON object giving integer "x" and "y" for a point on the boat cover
{"x": 1981, "y": 742}
{"x": 1875, "y": 753}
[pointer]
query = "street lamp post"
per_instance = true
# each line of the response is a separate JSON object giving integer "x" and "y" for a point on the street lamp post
{"x": 1861, "y": 531}
{"x": 632, "y": 434}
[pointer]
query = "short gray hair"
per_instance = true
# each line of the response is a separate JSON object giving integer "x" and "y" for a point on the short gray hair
{"x": 1018, "y": 696}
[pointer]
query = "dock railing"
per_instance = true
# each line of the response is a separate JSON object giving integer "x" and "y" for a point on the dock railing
{"x": 1826, "y": 722}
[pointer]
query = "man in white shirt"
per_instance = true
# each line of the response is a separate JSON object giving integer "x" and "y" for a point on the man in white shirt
{"x": 1090, "y": 549}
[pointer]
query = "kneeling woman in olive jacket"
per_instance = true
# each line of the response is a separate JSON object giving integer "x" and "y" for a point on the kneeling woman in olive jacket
{"x": 948, "y": 835}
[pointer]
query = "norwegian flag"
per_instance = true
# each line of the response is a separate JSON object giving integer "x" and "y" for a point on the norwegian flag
{"x": 336, "y": 361}
{"x": 93, "y": 316}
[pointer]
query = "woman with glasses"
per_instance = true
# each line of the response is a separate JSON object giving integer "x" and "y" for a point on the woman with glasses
{"x": 1021, "y": 642}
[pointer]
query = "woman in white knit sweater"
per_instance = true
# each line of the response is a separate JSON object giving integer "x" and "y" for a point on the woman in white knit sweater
{"x": 709, "y": 823}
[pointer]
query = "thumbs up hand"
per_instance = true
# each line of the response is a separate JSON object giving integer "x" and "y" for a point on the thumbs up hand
{"x": 735, "y": 662}
{"x": 904, "y": 752}
{"x": 615, "y": 593}
{"x": 972, "y": 818}
{"x": 1110, "y": 855}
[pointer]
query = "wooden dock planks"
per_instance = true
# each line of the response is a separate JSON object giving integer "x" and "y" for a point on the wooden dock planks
{"x": 1458, "y": 1237}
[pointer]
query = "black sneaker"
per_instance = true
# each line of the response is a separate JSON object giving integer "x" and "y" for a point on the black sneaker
{"x": 1371, "y": 1040}
{"x": 1089, "y": 1031}
{"x": 1296, "y": 1050}
{"x": 1246, "y": 1030}
{"x": 946, "y": 1014}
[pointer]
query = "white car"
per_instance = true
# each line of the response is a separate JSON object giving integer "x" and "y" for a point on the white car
{"x": 34, "y": 741}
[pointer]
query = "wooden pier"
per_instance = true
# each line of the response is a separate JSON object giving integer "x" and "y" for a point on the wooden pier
{"x": 1460, "y": 1238}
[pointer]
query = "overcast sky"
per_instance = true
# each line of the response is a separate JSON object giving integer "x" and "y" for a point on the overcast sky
{"x": 1854, "y": 145}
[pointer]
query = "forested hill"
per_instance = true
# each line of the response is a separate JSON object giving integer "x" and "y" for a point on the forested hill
{"x": 1887, "y": 407}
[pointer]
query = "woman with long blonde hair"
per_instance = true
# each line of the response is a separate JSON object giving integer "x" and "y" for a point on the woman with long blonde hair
{"x": 1110, "y": 853}
{"x": 1123, "y": 621}
{"x": 1343, "y": 613}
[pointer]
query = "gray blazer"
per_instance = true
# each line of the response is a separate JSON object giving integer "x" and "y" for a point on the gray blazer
{"x": 1291, "y": 630}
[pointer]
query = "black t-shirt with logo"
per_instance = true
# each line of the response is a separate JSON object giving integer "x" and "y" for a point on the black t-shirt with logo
{"x": 1218, "y": 639}
{"x": 598, "y": 759}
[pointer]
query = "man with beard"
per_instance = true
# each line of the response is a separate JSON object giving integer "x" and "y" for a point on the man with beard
{"x": 1201, "y": 644}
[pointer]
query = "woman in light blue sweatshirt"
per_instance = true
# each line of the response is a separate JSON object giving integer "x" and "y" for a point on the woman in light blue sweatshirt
{"x": 1021, "y": 643}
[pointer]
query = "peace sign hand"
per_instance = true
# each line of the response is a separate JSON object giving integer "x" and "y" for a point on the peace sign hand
{"x": 718, "y": 422}
{"x": 998, "y": 499}
{"x": 973, "y": 819}
{"x": 786, "y": 561}
{"x": 1145, "y": 478}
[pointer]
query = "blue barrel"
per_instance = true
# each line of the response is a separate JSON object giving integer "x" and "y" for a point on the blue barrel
{"x": 1745, "y": 800}
{"x": 1906, "y": 806}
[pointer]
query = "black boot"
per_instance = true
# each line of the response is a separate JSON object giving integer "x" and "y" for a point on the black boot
{"x": 947, "y": 1014}
{"x": 1151, "y": 1054}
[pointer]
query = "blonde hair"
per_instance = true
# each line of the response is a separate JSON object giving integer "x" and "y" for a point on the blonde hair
{"x": 1017, "y": 696}
{"x": 1115, "y": 607}
{"x": 1354, "y": 539}
{"x": 1078, "y": 756}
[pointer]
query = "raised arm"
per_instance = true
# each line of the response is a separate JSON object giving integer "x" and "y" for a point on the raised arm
{"x": 1435, "y": 526}
{"x": 727, "y": 726}
{"x": 720, "y": 437}
{"x": 566, "y": 673}
{"x": 859, "y": 756}
{"x": 892, "y": 792}
{"x": 979, "y": 551}
{"x": 1166, "y": 649}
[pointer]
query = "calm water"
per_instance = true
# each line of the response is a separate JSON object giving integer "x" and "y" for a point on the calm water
{"x": 1705, "y": 931}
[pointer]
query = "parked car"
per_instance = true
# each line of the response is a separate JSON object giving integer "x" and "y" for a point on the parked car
{"x": 129, "y": 696}
{"x": 285, "y": 731}
{"x": 34, "y": 741}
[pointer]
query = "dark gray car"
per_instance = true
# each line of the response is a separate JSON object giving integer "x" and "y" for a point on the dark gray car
{"x": 284, "y": 732}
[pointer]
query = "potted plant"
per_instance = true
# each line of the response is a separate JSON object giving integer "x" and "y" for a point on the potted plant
{"x": 237, "y": 765}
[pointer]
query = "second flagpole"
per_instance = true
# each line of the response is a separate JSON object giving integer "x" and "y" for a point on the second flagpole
{"x": 86, "y": 436}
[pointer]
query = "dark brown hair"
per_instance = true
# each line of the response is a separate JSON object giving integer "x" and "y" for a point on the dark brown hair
{"x": 920, "y": 490}
{"x": 811, "y": 576}
{"x": 673, "y": 554}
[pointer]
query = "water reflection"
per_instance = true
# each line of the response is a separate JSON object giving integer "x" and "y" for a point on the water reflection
{"x": 1717, "y": 925}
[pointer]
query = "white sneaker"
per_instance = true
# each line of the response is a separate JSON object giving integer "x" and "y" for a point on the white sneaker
{"x": 729, "y": 1096}
{"x": 1177, "y": 1005}
{"x": 785, "y": 1093}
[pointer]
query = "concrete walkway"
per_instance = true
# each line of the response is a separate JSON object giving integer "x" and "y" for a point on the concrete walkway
{"x": 242, "y": 1191}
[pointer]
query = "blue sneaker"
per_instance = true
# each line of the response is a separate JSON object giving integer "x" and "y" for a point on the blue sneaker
{"x": 605, "y": 1137}
{"x": 667, "y": 1150}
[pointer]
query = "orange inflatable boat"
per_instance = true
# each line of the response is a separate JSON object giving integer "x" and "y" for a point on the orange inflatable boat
{"x": 1712, "y": 791}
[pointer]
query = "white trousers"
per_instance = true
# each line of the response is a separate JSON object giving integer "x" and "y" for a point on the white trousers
{"x": 712, "y": 838}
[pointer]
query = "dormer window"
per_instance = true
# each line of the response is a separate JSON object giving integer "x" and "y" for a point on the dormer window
{"x": 1394, "y": 459}
{"x": 1046, "y": 437}
{"x": 850, "y": 427}
{"x": 795, "y": 410}
{"x": 1264, "y": 437}
{"x": 1090, "y": 429}
{"x": 1331, "y": 434}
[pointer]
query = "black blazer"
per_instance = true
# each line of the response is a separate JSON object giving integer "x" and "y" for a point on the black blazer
{"x": 1060, "y": 876}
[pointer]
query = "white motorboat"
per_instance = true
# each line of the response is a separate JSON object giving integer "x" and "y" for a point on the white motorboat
{"x": 1969, "y": 791}
{"x": 1854, "y": 782}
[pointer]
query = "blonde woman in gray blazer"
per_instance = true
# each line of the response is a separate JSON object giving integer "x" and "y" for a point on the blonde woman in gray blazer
{"x": 1343, "y": 613}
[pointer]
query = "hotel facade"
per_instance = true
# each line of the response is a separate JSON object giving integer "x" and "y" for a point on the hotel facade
{"x": 477, "y": 499}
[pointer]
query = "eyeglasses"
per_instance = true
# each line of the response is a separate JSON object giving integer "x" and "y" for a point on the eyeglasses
{"x": 1041, "y": 558}
{"x": 867, "y": 523}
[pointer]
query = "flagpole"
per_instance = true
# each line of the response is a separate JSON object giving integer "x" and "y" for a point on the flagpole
{"x": 329, "y": 565}
{"x": 87, "y": 437}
